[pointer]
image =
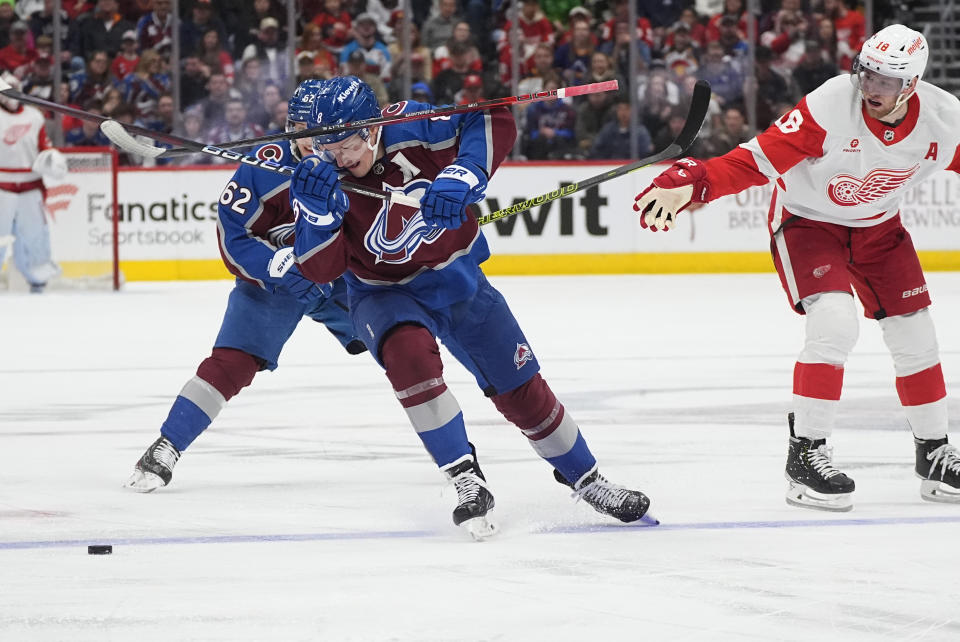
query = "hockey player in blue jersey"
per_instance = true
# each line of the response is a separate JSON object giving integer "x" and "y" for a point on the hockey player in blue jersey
{"x": 414, "y": 276}
{"x": 254, "y": 221}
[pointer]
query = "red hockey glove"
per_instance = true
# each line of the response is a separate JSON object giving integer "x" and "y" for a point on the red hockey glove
{"x": 670, "y": 193}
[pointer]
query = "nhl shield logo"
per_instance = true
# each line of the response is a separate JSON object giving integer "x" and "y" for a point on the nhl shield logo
{"x": 522, "y": 355}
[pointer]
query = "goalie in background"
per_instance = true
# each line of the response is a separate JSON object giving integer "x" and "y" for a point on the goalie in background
{"x": 26, "y": 159}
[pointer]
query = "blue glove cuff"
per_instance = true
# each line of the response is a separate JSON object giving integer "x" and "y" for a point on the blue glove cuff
{"x": 328, "y": 220}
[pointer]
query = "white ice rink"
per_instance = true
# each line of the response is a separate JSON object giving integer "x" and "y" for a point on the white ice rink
{"x": 310, "y": 511}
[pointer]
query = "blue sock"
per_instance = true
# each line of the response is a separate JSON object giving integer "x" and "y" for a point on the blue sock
{"x": 447, "y": 443}
{"x": 184, "y": 423}
{"x": 576, "y": 462}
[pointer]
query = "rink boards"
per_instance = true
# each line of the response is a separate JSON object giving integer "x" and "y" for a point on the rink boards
{"x": 168, "y": 225}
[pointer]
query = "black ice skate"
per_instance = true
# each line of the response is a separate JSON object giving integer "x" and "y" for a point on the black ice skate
{"x": 155, "y": 468}
{"x": 610, "y": 499}
{"x": 814, "y": 482}
{"x": 474, "y": 499}
{"x": 938, "y": 465}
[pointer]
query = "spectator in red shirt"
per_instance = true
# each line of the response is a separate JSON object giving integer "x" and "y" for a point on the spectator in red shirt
{"x": 621, "y": 13}
{"x": 734, "y": 8}
{"x": 535, "y": 28}
{"x": 18, "y": 53}
{"x": 850, "y": 27}
{"x": 126, "y": 61}
{"x": 155, "y": 28}
{"x": 472, "y": 91}
{"x": 461, "y": 34}
{"x": 334, "y": 25}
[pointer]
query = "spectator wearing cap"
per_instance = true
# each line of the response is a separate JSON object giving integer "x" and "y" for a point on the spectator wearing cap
{"x": 155, "y": 28}
{"x": 535, "y": 28}
{"x": 357, "y": 66}
{"x": 93, "y": 81}
{"x": 576, "y": 14}
{"x": 126, "y": 61}
{"x": 201, "y": 20}
{"x": 38, "y": 80}
{"x": 214, "y": 55}
{"x": 439, "y": 27}
{"x": 234, "y": 126}
{"x": 334, "y": 24}
{"x": 269, "y": 50}
{"x": 681, "y": 56}
{"x": 550, "y": 127}
{"x": 472, "y": 91}
{"x": 613, "y": 139}
{"x": 573, "y": 58}
{"x": 375, "y": 52}
{"x": 18, "y": 53}
{"x": 420, "y": 92}
{"x": 249, "y": 31}
{"x": 102, "y": 29}
{"x": 313, "y": 47}
{"x": 461, "y": 34}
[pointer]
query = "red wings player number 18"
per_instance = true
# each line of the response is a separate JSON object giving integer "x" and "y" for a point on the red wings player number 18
{"x": 841, "y": 161}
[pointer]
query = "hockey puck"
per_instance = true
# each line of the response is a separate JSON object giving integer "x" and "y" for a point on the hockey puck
{"x": 100, "y": 549}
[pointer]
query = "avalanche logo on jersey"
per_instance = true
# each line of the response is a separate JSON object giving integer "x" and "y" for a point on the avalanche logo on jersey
{"x": 398, "y": 230}
{"x": 844, "y": 189}
{"x": 522, "y": 355}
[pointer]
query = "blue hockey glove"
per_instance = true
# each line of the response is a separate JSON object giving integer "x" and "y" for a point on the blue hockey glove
{"x": 455, "y": 187}
{"x": 315, "y": 194}
{"x": 306, "y": 291}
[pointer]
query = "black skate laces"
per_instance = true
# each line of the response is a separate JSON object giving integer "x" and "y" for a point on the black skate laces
{"x": 600, "y": 491}
{"x": 166, "y": 454}
{"x": 821, "y": 461}
{"x": 948, "y": 458}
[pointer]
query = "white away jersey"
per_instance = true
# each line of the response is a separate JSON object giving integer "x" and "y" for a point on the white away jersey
{"x": 22, "y": 137}
{"x": 833, "y": 163}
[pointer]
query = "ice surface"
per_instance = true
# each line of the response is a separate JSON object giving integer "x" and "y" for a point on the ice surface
{"x": 310, "y": 511}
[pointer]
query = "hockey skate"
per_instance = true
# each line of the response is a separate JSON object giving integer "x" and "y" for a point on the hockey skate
{"x": 938, "y": 465}
{"x": 474, "y": 499}
{"x": 155, "y": 468}
{"x": 814, "y": 482}
{"x": 610, "y": 499}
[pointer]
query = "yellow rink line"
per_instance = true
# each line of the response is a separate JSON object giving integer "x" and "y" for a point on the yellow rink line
{"x": 529, "y": 264}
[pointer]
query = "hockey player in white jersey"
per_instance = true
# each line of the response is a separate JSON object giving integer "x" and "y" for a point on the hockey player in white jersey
{"x": 841, "y": 162}
{"x": 26, "y": 158}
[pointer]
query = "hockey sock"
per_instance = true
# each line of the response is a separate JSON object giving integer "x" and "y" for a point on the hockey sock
{"x": 924, "y": 398}
{"x": 411, "y": 357}
{"x": 219, "y": 378}
{"x": 552, "y": 433}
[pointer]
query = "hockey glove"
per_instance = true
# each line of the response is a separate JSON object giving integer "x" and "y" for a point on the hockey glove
{"x": 671, "y": 192}
{"x": 456, "y": 186}
{"x": 306, "y": 291}
{"x": 51, "y": 164}
{"x": 315, "y": 194}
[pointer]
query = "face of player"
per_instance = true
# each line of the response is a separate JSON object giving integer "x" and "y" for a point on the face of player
{"x": 880, "y": 92}
{"x": 353, "y": 153}
{"x": 305, "y": 144}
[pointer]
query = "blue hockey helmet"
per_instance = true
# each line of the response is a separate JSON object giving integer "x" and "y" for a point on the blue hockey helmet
{"x": 344, "y": 99}
{"x": 300, "y": 105}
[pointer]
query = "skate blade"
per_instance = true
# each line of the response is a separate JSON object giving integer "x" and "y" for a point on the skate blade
{"x": 648, "y": 520}
{"x": 143, "y": 482}
{"x": 800, "y": 495}
{"x": 480, "y": 528}
{"x": 932, "y": 490}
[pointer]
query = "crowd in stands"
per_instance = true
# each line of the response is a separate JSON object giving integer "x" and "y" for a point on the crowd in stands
{"x": 116, "y": 60}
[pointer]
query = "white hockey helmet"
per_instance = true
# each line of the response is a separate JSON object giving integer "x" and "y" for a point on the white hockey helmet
{"x": 896, "y": 51}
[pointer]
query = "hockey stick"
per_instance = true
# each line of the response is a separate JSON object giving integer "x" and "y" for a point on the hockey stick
{"x": 121, "y": 136}
{"x": 699, "y": 104}
{"x": 436, "y": 112}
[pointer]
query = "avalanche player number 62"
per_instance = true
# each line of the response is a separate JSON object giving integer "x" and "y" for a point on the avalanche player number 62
{"x": 230, "y": 192}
